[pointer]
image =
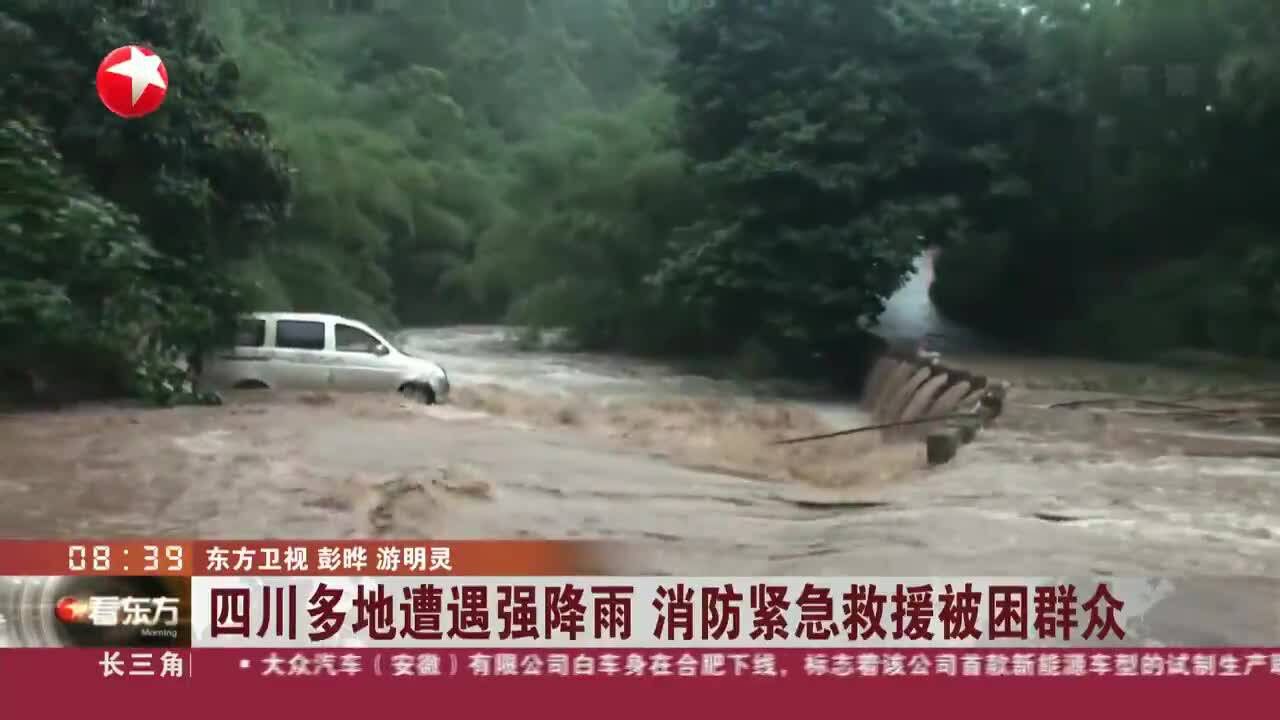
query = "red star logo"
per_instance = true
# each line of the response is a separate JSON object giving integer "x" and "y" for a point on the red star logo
{"x": 71, "y": 610}
{"x": 132, "y": 81}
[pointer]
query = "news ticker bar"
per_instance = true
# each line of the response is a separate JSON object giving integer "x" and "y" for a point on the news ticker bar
{"x": 190, "y": 558}
{"x": 901, "y": 663}
{"x": 609, "y": 612}
{"x": 762, "y": 682}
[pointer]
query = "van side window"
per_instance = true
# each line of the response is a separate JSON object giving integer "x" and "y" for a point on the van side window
{"x": 351, "y": 339}
{"x": 300, "y": 334}
{"x": 251, "y": 332}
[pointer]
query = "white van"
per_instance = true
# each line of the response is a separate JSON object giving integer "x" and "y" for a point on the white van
{"x": 306, "y": 351}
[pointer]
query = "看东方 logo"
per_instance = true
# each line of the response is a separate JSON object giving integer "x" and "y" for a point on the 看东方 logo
{"x": 117, "y": 611}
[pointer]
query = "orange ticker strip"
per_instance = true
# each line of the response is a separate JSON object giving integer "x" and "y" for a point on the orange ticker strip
{"x": 397, "y": 557}
{"x": 302, "y": 557}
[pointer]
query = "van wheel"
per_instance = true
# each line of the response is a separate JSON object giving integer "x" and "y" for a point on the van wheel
{"x": 419, "y": 392}
{"x": 250, "y": 385}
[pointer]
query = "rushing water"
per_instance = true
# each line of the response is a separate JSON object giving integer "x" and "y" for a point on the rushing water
{"x": 554, "y": 445}
{"x": 910, "y": 316}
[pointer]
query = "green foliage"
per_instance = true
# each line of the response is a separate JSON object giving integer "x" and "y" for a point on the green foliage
{"x": 409, "y": 126}
{"x": 133, "y": 261}
{"x": 835, "y": 141}
{"x": 80, "y": 305}
{"x": 753, "y": 179}
{"x": 202, "y": 175}
{"x": 1152, "y": 164}
{"x": 591, "y": 209}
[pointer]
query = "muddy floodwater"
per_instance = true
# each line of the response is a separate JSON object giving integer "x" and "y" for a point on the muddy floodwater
{"x": 545, "y": 445}
{"x": 553, "y": 446}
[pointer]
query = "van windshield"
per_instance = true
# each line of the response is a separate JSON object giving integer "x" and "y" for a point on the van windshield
{"x": 349, "y": 338}
{"x": 385, "y": 337}
{"x": 370, "y": 332}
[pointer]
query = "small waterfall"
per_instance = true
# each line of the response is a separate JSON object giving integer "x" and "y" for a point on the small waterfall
{"x": 910, "y": 385}
{"x": 910, "y": 317}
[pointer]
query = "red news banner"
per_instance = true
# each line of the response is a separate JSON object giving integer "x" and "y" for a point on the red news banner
{"x": 396, "y": 612}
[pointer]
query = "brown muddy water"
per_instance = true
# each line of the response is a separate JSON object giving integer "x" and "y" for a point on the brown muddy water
{"x": 552, "y": 446}
{"x": 546, "y": 445}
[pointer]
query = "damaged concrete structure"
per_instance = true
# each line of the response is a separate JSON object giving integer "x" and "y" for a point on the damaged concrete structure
{"x": 910, "y": 386}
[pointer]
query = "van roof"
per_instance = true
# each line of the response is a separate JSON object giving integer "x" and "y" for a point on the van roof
{"x": 319, "y": 317}
{"x": 313, "y": 317}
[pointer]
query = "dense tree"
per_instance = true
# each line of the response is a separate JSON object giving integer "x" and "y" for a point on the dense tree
{"x": 732, "y": 177}
{"x": 590, "y": 209}
{"x": 78, "y": 303}
{"x": 836, "y": 140}
{"x": 408, "y": 123}
{"x": 1150, "y": 150}
{"x": 201, "y": 183}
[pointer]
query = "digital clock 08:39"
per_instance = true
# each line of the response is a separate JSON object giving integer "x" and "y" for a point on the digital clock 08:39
{"x": 124, "y": 558}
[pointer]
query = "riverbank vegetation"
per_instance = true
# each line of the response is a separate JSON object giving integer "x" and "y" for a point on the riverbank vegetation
{"x": 746, "y": 178}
